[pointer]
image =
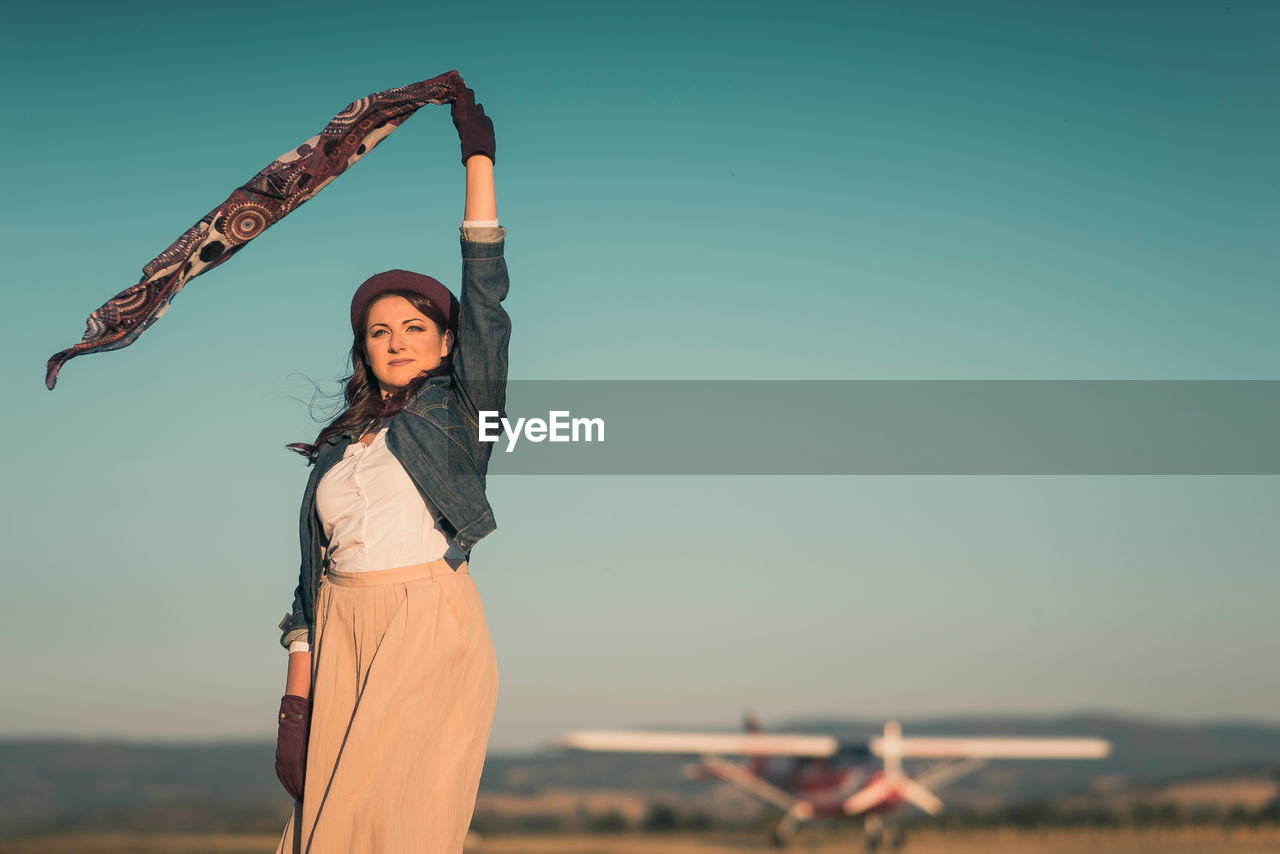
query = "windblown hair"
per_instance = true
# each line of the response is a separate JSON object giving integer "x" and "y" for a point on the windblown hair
{"x": 364, "y": 402}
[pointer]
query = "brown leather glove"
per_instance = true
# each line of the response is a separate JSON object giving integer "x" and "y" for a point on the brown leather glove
{"x": 291, "y": 743}
{"x": 475, "y": 129}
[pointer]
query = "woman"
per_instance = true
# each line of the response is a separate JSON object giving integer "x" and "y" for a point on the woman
{"x": 392, "y": 679}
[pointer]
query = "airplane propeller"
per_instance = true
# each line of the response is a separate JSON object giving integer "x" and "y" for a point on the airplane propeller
{"x": 894, "y": 783}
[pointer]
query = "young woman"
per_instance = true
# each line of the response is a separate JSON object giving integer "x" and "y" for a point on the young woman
{"x": 392, "y": 679}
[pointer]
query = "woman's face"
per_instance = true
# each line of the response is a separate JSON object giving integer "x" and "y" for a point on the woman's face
{"x": 401, "y": 342}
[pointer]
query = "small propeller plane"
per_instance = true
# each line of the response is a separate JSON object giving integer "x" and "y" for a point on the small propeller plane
{"x": 819, "y": 776}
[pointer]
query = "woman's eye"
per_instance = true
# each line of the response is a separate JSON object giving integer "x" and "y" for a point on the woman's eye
{"x": 375, "y": 333}
{"x": 414, "y": 328}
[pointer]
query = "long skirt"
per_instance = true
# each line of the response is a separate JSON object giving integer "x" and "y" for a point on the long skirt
{"x": 404, "y": 687}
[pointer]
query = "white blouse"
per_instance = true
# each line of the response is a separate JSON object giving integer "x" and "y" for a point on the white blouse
{"x": 374, "y": 517}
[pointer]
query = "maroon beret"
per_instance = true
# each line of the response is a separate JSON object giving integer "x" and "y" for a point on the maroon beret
{"x": 404, "y": 280}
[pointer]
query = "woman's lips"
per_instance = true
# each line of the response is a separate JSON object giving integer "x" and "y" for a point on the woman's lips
{"x": 395, "y": 363}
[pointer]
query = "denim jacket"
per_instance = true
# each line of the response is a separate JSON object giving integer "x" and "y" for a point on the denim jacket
{"x": 436, "y": 436}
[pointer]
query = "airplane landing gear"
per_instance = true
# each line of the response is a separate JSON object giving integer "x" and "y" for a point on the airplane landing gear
{"x": 873, "y": 833}
{"x": 879, "y": 835}
{"x": 783, "y": 831}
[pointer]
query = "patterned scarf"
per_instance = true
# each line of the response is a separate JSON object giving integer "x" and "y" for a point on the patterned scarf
{"x": 278, "y": 189}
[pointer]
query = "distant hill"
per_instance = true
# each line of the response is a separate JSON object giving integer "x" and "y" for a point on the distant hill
{"x": 50, "y": 784}
{"x": 65, "y": 784}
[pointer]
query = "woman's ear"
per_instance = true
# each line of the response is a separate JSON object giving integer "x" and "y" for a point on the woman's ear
{"x": 446, "y": 343}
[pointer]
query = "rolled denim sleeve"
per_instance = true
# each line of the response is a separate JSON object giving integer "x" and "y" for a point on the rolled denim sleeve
{"x": 294, "y": 625}
{"x": 484, "y": 327}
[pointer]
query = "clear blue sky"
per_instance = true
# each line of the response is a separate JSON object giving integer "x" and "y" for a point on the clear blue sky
{"x": 880, "y": 190}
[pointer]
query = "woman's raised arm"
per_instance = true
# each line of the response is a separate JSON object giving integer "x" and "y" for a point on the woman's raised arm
{"x": 484, "y": 329}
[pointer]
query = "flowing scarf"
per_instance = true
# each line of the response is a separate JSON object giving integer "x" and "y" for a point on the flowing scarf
{"x": 278, "y": 189}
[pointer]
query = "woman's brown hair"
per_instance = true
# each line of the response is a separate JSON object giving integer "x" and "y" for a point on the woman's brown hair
{"x": 364, "y": 401}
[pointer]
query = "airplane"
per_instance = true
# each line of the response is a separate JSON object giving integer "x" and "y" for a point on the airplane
{"x": 820, "y": 776}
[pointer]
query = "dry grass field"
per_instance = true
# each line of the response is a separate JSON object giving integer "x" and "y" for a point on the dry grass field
{"x": 1187, "y": 841}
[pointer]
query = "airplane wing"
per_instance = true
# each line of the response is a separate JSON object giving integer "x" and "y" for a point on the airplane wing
{"x": 992, "y": 748}
{"x": 765, "y": 744}
{"x": 702, "y": 744}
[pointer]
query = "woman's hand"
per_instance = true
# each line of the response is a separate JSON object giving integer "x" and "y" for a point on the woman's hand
{"x": 475, "y": 130}
{"x": 291, "y": 743}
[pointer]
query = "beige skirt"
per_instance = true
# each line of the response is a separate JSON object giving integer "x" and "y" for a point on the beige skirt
{"x": 404, "y": 686}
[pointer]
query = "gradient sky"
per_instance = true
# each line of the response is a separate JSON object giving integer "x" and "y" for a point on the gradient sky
{"x": 869, "y": 190}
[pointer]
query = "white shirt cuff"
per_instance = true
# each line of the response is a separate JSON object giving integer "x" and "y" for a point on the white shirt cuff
{"x": 299, "y": 646}
{"x": 482, "y": 231}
